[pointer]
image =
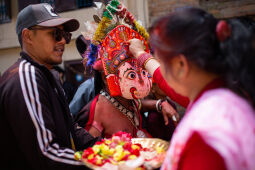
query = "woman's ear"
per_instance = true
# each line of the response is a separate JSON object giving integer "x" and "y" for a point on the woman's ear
{"x": 182, "y": 67}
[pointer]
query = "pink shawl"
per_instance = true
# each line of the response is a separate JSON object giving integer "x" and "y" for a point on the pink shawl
{"x": 226, "y": 122}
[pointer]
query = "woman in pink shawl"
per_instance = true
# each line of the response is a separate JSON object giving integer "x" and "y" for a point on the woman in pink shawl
{"x": 212, "y": 63}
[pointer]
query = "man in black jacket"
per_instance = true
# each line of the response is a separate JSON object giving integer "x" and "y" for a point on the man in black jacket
{"x": 37, "y": 130}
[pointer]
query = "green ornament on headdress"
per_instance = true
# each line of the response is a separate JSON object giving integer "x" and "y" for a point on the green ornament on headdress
{"x": 113, "y": 5}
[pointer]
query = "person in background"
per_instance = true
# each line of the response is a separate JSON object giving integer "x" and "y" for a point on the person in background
{"x": 59, "y": 73}
{"x": 160, "y": 114}
{"x": 206, "y": 59}
{"x": 36, "y": 125}
{"x": 86, "y": 91}
{"x": 67, "y": 86}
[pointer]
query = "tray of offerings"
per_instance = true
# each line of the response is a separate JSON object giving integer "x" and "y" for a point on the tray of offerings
{"x": 123, "y": 152}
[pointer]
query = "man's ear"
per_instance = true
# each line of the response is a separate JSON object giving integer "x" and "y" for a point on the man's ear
{"x": 26, "y": 36}
{"x": 183, "y": 67}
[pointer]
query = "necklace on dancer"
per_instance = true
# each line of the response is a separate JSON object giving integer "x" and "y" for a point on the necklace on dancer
{"x": 132, "y": 117}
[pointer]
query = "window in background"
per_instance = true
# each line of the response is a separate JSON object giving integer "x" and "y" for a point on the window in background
{"x": 5, "y": 11}
{"x": 22, "y": 4}
{"x": 58, "y": 5}
{"x": 64, "y": 5}
{"x": 84, "y": 3}
{"x": 51, "y": 2}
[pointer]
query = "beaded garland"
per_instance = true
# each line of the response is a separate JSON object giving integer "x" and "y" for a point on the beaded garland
{"x": 132, "y": 117}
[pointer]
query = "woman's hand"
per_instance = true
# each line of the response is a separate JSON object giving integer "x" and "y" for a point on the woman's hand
{"x": 169, "y": 112}
{"x": 136, "y": 47}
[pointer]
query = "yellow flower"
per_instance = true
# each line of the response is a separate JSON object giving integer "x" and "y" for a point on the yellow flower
{"x": 77, "y": 156}
{"x": 121, "y": 162}
{"x": 119, "y": 148}
{"x": 126, "y": 153}
{"x": 106, "y": 150}
{"x": 159, "y": 149}
{"x": 119, "y": 154}
{"x": 96, "y": 149}
{"x": 113, "y": 162}
{"x": 108, "y": 142}
{"x": 110, "y": 152}
{"x": 104, "y": 147}
{"x": 132, "y": 157}
{"x": 91, "y": 156}
{"x": 99, "y": 160}
{"x": 135, "y": 147}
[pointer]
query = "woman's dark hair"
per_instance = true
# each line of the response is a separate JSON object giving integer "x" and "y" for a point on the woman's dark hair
{"x": 192, "y": 32}
{"x": 240, "y": 57}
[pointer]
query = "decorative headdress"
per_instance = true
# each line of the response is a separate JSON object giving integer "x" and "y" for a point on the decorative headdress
{"x": 114, "y": 52}
{"x": 109, "y": 42}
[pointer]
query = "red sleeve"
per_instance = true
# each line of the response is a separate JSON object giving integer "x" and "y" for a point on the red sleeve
{"x": 200, "y": 156}
{"x": 158, "y": 78}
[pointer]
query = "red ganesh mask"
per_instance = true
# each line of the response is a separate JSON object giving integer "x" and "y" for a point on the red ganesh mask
{"x": 124, "y": 77}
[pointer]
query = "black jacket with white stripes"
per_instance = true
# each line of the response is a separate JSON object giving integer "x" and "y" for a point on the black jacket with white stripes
{"x": 35, "y": 122}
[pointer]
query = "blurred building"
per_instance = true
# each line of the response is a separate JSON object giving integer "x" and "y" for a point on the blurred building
{"x": 219, "y": 8}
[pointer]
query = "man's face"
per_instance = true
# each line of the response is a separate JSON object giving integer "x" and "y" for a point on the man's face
{"x": 135, "y": 83}
{"x": 45, "y": 49}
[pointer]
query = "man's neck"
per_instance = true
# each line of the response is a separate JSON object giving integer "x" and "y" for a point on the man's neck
{"x": 36, "y": 59}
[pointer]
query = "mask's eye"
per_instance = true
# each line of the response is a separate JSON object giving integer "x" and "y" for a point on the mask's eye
{"x": 144, "y": 73}
{"x": 131, "y": 75}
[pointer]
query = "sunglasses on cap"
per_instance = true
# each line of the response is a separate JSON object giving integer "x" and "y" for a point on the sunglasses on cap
{"x": 58, "y": 33}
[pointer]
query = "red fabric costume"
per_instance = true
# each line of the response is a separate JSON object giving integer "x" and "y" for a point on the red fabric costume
{"x": 158, "y": 78}
{"x": 200, "y": 156}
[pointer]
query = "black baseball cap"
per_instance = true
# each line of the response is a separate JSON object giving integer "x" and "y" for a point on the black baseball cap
{"x": 43, "y": 15}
